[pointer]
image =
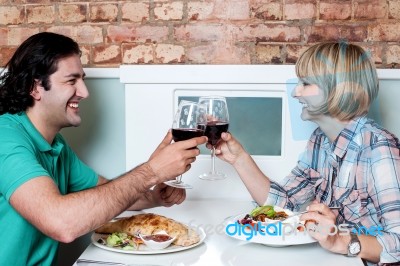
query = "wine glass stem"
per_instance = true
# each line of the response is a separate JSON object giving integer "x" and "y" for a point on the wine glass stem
{"x": 179, "y": 179}
{"x": 213, "y": 160}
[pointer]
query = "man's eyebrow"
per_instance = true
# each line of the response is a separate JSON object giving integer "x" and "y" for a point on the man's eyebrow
{"x": 76, "y": 75}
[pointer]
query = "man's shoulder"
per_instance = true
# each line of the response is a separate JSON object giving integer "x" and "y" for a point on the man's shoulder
{"x": 8, "y": 119}
{"x": 11, "y": 128}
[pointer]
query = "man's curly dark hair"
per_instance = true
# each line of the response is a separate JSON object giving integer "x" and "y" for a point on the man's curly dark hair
{"x": 34, "y": 61}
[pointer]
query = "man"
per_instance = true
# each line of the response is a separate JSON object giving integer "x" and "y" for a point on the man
{"x": 47, "y": 194}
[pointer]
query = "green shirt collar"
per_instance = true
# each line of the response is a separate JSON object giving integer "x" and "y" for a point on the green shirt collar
{"x": 39, "y": 140}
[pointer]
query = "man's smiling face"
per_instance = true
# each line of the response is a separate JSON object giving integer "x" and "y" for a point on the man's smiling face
{"x": 67, "y": 89}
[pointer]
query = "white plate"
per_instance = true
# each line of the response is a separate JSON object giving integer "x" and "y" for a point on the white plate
{"x": 281, "y": 239}
{"x": 143, "y": 249}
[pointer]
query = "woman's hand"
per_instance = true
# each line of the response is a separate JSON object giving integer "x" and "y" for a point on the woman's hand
{"x": 229, "y": 149}
{"x": 321, "y": 225}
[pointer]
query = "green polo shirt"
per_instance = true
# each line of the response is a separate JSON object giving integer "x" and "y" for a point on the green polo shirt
{"x": 24, "y": 155}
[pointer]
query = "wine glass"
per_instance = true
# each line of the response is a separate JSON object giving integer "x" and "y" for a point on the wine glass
{"x": 188, "y": 123}
{"x": 217, "y": 122}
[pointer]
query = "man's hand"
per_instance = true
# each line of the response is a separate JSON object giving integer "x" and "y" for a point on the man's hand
{"x": 167, "y": 196}
{"x": 172, "y": 159}
{"x": 160, "y": 195}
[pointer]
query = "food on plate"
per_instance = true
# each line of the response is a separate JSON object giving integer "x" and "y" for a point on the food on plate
{"x": 121, "y": 240}
{"x": 157, "y": 238}
{"x": 150, "y": 224}
{"x": 262, "y": 216}
{"x": 160, "y": 240}
{"x": 267, "y": 212}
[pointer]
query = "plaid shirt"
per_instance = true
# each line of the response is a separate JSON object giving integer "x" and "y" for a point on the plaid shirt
{"x": 359, "y": 171}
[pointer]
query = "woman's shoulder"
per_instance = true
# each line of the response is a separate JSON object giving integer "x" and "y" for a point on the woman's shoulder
{"x": 378, "y": 131}
{"x": 374, "y": 135}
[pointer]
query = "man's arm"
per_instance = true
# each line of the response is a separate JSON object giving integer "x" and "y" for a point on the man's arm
{"x": 102, "y": 181}
{"x": 66, "y": 217}
{"x": 160, "y": 195}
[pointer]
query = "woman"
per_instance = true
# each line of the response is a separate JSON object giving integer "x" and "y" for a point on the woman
{"x": 349, "y": 161}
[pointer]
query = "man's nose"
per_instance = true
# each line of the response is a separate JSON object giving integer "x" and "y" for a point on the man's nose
{"x": 82, "y": 90}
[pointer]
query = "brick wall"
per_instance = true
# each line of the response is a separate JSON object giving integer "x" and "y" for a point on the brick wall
{"x": 204, "y": 31}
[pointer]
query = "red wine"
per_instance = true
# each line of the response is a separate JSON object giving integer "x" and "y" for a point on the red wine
{"x": 179, "y": 134}
{"x": 214, "y": 130}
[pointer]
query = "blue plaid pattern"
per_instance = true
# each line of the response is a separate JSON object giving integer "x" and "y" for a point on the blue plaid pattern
{"x": 359, "y": 171}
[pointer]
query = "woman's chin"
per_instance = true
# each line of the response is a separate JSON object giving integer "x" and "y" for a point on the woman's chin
{"x": 305, "y": 116}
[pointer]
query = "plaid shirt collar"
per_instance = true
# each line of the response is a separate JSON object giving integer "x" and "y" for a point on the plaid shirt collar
{"x": 345, "y": 138}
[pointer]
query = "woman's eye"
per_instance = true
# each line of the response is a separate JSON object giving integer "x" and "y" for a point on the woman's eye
{"x": 303, "y": 83}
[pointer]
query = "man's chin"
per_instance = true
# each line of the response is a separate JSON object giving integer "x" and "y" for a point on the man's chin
{"x": 75, "y": 123}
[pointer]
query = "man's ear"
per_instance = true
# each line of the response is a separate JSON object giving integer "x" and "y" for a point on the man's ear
{"x": 37, "y": 88}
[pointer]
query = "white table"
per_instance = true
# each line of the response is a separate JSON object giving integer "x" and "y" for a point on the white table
{"x": 220, "y": 249}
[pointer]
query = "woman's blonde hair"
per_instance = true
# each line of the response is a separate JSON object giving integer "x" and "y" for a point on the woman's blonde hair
{"x": 346, "y": 75}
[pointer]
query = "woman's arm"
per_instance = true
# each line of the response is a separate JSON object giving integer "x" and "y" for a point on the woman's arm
{"x": 231, "y": 151}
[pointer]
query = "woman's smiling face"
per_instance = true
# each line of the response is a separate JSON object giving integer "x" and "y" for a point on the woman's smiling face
{"x": 311, "y": 97}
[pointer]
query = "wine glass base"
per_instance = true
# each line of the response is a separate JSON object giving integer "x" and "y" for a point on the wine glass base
{"x": 177, "y": 184}
{"x": 213, "y": 176}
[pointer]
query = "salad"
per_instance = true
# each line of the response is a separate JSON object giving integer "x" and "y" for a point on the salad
{"x": 121, "y": 240}
{"x": 264, "y": 213}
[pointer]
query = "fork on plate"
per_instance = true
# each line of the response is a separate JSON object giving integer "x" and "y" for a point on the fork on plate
{"x": 85, "y": 261}
{"x": 302, "y": 212}
{"x": 98, "y": 262}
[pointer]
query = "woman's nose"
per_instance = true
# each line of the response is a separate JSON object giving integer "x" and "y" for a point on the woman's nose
{"x": 296, "y": 92}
